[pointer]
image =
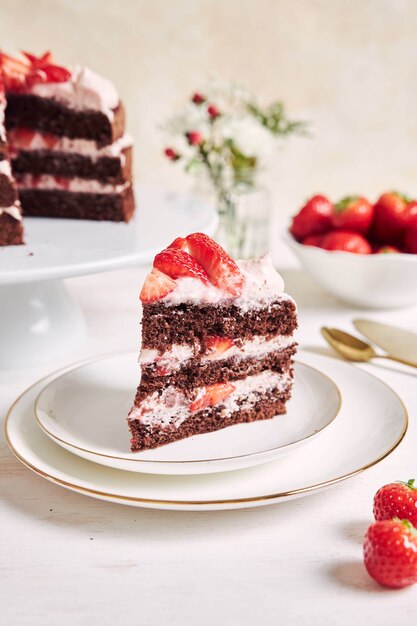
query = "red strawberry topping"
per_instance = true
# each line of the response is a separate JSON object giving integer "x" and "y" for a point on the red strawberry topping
{"x": 21, "y": 73}
{"x": 220, "y": 267}
{"x": 211, "y": 395}
{"x": 390, "y": 553}
{"x": 179, "y": 243}
{"x": 217, "y": 345}
{"x": 157, "y": 285}
{"x": 177, "y": 263}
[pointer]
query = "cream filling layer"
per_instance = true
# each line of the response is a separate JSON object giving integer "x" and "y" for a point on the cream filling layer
{"x": 172, "y": 406}
{"x": 13, "y": 211}
{"x": 178, "y": 355}
{"x": 53, "y": 143}
{"x": 82, "y": 185}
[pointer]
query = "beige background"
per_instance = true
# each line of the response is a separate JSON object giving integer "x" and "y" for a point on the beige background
{"x": 349, "y": 66}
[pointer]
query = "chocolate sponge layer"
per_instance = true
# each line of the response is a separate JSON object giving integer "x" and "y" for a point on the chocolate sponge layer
{"x": 49, "y": 116}
{"x": 112, "y": 170}
{"x": 164, "y": 325}
{"x": 68, "y": 204}
{"x": 206, "y": 421}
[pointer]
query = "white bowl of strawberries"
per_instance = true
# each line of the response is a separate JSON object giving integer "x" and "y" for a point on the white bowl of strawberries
{"x": 363, "y": 253}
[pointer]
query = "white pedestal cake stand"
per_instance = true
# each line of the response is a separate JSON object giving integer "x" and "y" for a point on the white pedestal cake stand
{"x": 38, "y": 318}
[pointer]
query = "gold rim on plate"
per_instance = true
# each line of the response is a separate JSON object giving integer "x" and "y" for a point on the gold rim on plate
{"x": 266, "y": 497}
{"x": 55, "y": 376}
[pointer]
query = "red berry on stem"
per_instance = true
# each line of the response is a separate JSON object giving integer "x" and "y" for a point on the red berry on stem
{"x": 197, "y": 98}
{"x": 194, "y": 138}
{"x": 213, "y": 111}
{"x": 171, "y": 154}
{"x": 390, "y": 553}
{"x": 314, "y": 218}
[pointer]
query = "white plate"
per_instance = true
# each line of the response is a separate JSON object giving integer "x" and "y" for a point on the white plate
{"x": 85, "y": 411}
{"x": 371, "y": 424}
{"x": 57, "y": 248}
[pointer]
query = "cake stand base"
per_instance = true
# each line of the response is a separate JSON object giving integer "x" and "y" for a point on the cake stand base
{"x": 38, "y": 322}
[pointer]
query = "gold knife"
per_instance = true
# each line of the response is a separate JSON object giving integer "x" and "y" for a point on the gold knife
{"x": 400, "y": 343}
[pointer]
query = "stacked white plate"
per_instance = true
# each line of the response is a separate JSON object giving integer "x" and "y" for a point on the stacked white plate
{"x": 70, "y": 428}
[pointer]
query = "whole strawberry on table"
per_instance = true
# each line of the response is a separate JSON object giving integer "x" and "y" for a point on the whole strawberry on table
{"x": 354, "y": 224}
{"x": 390, "y": 544}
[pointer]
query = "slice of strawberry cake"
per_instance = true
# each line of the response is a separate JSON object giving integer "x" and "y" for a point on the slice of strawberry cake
{"x": 217, "y": 343}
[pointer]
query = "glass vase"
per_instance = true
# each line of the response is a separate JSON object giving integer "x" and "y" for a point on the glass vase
{"x": 244, "y": 218}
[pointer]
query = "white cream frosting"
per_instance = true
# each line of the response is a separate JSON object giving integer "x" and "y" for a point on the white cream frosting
{"x": 172, "y": 406}
{"x": 84, "y": 90}
{"x": 178, "y": 355}
{"x": 81, "y": 185}
{"x": 2, "y": 110}
{"x": 13, "y": 211}
{"x": 84, "y": 147}
{"x": 262, "y": 285}
{"x": 5, "y": 168}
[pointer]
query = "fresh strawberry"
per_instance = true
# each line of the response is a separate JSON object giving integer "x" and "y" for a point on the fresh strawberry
{"x": 410, "y": 238}
{"x": 157, "y": 285}
{"x": 21, "y": 137}
{"x": 178, "y": 263}
{"x": 387, "y": 250}
{"x": 211, "y": 395}
{"x": 56, "y": 73}
{"x": 390, "y": 553}
{"x": 216, "y": 346}
{"x": 14, "y": 72}
{"x": 313, "y": 240}
{"x": 347, "y": 242}
{"x": 391, "y": 217}
{"x": 314, "y": 218}
{"x": 179, "y": 243}
{"x": 396, "y": 500}
{"x": 353, "y": 213}
{"x": 220, "y": 267}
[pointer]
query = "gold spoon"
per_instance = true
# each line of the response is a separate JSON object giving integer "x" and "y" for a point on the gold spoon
{"x": 355, "y": 349}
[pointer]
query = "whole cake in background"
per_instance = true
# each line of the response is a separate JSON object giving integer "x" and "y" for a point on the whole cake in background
{"x": 65, "y": 139}
{"x": 217, "y": 343}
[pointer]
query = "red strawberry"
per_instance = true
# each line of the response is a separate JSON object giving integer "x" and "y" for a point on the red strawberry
{"x": 179, "y": 243}
{"x": 157, "y": 285}
{"x": 36, "y": 76}
{"x": 14, "y": 72}
{"x": 353, "y": 213}
{"x": 178, "y": 263}
{"x": 396, "y": 500}
{"x": 220, "y": 267}
{"x": 390, "y": 553}
{"x": 313, "y": 240}
{"x": 21, "y": 137}
{"x": 217, "y": 345}
{"x": 410, "y": 239}
{"x": 347, "y": 242}
{"x": 387, "y": 250}
{"x": 45, "y": 59}
{"x": 314, "y": 218}
{"x": 56, "y": 73}
{"x": 390, "y": 218}
{"x": 211, "y": 395}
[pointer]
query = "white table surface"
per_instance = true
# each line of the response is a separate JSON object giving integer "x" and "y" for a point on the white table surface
{"x": 69, "y": 559}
